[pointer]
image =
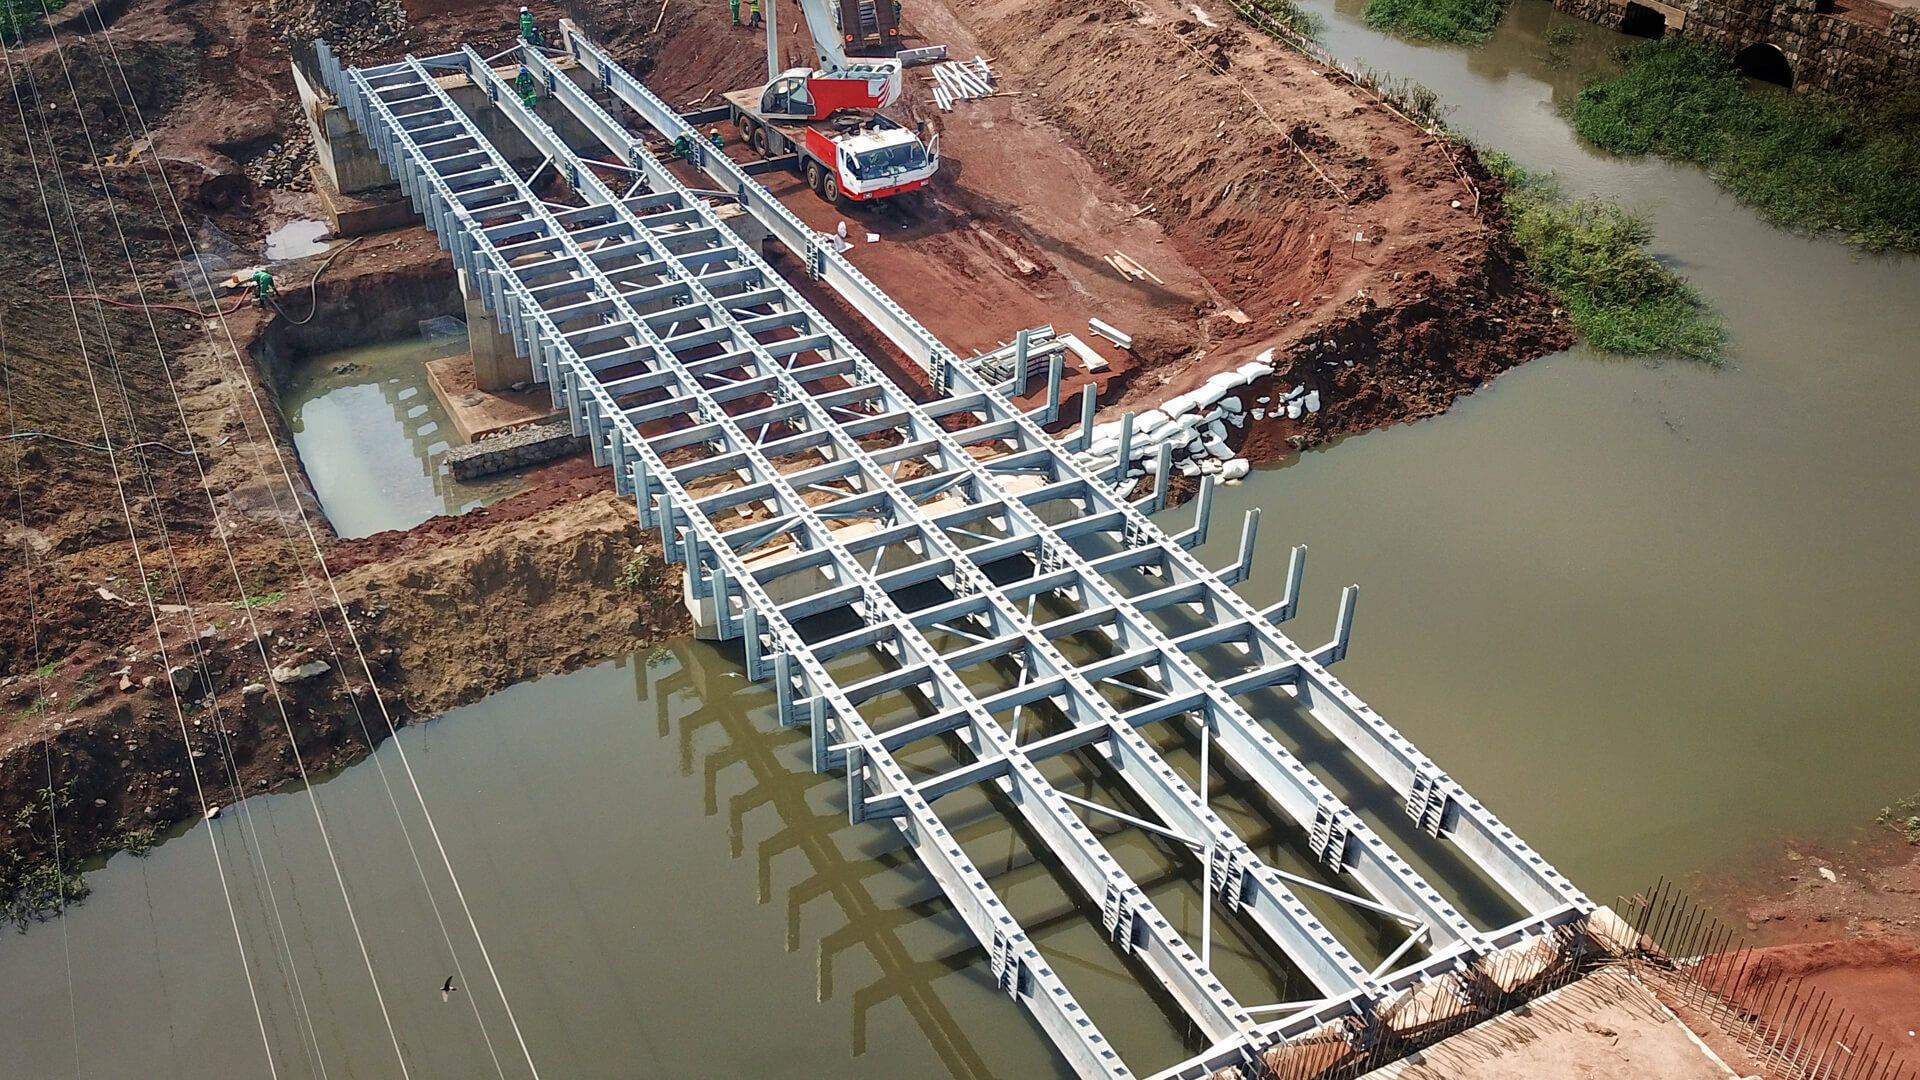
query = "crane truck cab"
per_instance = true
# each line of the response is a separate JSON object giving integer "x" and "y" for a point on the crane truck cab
{"x": 826, "y": 121}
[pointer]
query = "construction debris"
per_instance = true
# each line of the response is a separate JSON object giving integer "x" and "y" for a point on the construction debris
{"x": 1108, "y": 331}
{"x": 926, "y": 55}
{"x": 962, "y": 80}
{"x": 1193, "y": 426}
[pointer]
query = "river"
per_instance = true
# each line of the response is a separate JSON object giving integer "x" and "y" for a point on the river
{"x": 1657, "y": 616}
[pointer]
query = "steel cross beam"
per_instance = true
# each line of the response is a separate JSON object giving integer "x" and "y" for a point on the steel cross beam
{"x": 1430, "y": 793}
{"x": 1287, "y": 922}
{"x": 1381, "y": 870}
{"x": 1138, "y": 926}
{"x": 533, "y": 263}
{"x": 1017, "y": 964}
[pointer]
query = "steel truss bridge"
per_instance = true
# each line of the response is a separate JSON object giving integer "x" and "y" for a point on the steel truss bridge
{"x": 1026, "y": 606}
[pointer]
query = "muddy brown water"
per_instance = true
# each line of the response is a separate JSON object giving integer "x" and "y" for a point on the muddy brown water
{"x": 372, "y": 436}
{"x": 1656, "y": 616}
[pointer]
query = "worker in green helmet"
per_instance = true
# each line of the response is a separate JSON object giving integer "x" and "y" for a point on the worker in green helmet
{"x": 683, "y": 146}
{"x": 529, "y": 90}
{"x": 263, "y": 287}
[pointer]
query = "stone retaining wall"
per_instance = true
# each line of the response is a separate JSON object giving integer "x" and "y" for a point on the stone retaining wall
{"x": 1826, "y": 51}
{"x": 533, "y": 445}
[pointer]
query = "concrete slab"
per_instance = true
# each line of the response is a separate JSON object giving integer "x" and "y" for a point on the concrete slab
{"x": 477, "y": 413}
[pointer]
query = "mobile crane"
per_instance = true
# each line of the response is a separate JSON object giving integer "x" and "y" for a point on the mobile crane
{"x": 827, "y": 119}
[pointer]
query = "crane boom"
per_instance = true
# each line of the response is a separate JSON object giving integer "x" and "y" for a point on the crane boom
{"x": 825, "y": 29}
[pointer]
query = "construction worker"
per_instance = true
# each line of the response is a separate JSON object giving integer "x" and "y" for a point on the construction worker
{"x": 263, "y": 287}
{"x": 718, "y": 140}
{"x": 529, "y": 33}
{"x": 734, "y": 5}
{"x": 529, "y": 90}
{"x": 683, "y": 147}
{"x": 753, "y": 14}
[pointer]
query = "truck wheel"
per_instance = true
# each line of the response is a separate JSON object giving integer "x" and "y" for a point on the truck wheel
{"x": 745, "y": 127}
{"x": 830, "y": 189}
{"x": 759, "y": 141}
{"x": 813, "y": 179}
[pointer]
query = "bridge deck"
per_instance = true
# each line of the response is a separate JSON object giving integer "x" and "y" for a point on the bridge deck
{"x": 1024, "y": 607}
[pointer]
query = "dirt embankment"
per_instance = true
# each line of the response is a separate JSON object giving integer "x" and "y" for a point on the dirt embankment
{"x": 1371, "y": 253}
{"x": 167, "y": 617}
{"x": 1840, "y": 918}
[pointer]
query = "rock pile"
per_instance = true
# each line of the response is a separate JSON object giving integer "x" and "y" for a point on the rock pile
{"x": 1195, "y": 425}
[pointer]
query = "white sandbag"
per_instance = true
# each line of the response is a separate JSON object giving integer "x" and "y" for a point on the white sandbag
{"x": 1235, "y": 469}
{"x": 1148, "y": 421}
{"x": 1312, "y": 401}
{"x": 1189, "y": 467}
{"x": 1232, "y": 405}
{"x": 1293, "y": 410}
{"x": 1218, "y": 448}
{"x": 1259, "y": 413}
{"x": 1216, "y": 430}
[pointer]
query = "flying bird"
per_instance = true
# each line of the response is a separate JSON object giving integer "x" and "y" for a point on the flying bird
{"x": 447, "y": 989}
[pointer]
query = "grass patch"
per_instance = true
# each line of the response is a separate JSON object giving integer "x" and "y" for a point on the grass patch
{"x": 48, "y": 668}
{"x": 633, "y": 572}
{"x": 1904, "y": 817}
{"x": 260, "y": 600}
{"x": 1807, "y": 160}
{"x": 1279, "y": 16}
{"x": 1592, "y": 256}
{"x": 19, "y": 16}
{"x": 1458, "y": 22}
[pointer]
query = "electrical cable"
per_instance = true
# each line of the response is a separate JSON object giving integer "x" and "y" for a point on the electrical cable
{"x": 353, "y": 637}
{"x": 293, "y": 742}
{"x": 6, "y": 56}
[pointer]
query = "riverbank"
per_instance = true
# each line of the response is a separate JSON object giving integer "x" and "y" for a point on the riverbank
{"x": 1809, "y": 160}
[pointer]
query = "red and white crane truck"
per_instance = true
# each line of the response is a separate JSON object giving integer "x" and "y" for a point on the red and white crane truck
{"x": 827, "y": 119}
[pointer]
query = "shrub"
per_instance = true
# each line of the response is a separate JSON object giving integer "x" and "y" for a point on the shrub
{"x": 1806, "y": 160}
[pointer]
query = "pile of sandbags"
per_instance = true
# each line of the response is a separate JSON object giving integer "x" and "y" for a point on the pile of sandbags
{"x": 1195, "y": 425}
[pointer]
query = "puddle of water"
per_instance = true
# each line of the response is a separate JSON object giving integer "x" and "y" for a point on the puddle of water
{"x": 372, "y": 436}
{"x": 296, "y": 240}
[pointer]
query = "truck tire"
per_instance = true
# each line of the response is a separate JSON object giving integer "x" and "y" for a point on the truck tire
{"x": 745, "y": 126}
{"x": 814, "y": 175}
{"x": 759, "y": 141}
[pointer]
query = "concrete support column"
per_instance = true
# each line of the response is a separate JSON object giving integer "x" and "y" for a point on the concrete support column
{"x": 497, "y": 365}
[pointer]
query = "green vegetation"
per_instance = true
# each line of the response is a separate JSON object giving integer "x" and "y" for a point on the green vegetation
{"x": 1904, "y": 818}
{"x": 32, "y": 893}
{"x": 137, "y": 842}
{"x": 19, "y": 16}
{"x": 48, "y": 668}
{"x": 633, "y": 573}
{"x": 1459, "y": 22}
{"x": 1559, "y": 42}
{"x": 37, "y": 709}
{"x": 1281, "y": 17}
{"x": 1592, "y": 256}
{"x": 260, "y": 600}
{"x": 1806, "y": 160}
